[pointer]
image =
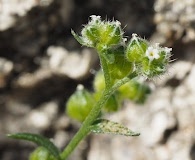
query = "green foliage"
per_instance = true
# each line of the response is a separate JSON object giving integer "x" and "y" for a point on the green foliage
{"x": 39, "y": 140}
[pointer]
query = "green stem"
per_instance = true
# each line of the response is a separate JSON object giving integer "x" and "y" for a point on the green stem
{"x": 84, "y": 130}
{"x": 104, "y": 66}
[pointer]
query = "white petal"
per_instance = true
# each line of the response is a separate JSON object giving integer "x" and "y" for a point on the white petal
{"x": 152, "y": 53}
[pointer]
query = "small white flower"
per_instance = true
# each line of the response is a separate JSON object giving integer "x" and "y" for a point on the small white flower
{"x": 152, "y": 53}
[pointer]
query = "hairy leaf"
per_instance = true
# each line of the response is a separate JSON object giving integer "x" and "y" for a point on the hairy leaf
{"x": 106, "y": 126}
{"x": 39, "y": 140}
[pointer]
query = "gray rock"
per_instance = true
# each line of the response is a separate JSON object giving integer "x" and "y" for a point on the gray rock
{"x": 71, "y": 64}
{"x": 172, "y": 19}
{"x": 6, "y": 67}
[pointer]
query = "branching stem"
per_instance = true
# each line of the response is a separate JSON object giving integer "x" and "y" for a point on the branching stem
{"x": 84, "y": 130}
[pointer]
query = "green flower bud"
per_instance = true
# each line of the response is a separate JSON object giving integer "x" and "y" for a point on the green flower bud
{"x": 80, "y": 104}
{"x": 91, "y": 32}
{"x": 111, "y": 33}
{"x": 41, "y": 153}
{"x": 149, "y": 60}
{"x": 121, "y": 66}
{"x": 134, "y": 91}
{"x": 136, "y": 49}
{"x": 100, "y": 34}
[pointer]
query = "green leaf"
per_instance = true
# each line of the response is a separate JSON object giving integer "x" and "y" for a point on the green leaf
{"x": 78, "y": 38}
{"x": 39, "y": 140}
{"x": 106, "y": 126}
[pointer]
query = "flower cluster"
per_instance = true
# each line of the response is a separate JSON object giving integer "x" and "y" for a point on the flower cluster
{"x": 138, "y": 55}
{"x": 122, "y": 59}
{"x": 150, "y": 60}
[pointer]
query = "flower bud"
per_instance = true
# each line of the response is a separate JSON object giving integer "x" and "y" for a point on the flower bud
{"x": 136, "y": 49}
{"x": 41, "y": 154}
{"x": 149, "y": 60}
{"x": 91, "y": 32}
{"x": 100, "y": 34}
{"x": 134, "y": 91}
{"x": 111, "y": 33}
{"x": 80, "y": 104}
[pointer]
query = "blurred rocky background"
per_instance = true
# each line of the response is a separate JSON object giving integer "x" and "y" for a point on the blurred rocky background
{"x": 41, "y": 65}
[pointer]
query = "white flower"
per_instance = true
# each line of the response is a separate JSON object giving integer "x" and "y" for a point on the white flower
{"x": 152, "y": 53}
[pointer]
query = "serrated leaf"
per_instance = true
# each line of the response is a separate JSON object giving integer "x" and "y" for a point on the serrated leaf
{"x": 106, "y": 126}
{"x": 39, "y": 140}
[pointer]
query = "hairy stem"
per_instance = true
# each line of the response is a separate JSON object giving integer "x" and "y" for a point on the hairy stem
{"x": 104, "y": 66}
{"x": 84, "y": 130}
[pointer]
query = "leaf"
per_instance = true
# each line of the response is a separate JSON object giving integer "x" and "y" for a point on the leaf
{"x": 106, "y": 126}
{"x": 78, "y": 38}
{"x": 39, "y": 140}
